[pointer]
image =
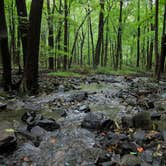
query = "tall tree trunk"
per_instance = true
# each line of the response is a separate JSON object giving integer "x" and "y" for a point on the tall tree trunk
{"x": 156, "y": 39}
{"x": 138, "y": 34}
{"x": 163, "y": 43}
{"x": 58, "y": 38}
{"x": 65, "y": 34}
{"x": 92, "y": 40}
{"x": 119, "y": 39}
{"x": 106, "y": 42}
{"x": 30, "y": 80}
{"x": 81, "y": 47}
{"x": 50, "y": 35}
{"x": 12, "y": 33}
{"x": 100, "y": 34}
{"x": 23, "y": 25}
{"x": 6, "y": 58}
{"x": 150, "y": 54}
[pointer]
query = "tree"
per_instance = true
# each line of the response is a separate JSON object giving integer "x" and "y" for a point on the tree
{"x": 30, "y": 80}
{"x": 65, "y": 34}
{"x": 4, "y": 49}
{"x": 150, "y": 52}
{"x": 100, "y": 34}
{"x": 23, "y": 25}
{"x": 50, "y": 33}
{"x": 119, "y": 39}
{"x": 138, "y": 34}
{"x": 156, "y": 39}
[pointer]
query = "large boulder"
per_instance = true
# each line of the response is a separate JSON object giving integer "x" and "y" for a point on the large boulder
{"x": 8, "y": 139}
{"x": 97, "y": 121}
{"x": 142, "y": 120}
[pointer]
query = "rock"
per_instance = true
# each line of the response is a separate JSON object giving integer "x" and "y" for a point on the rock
{"x": 164, "y": 135}
{"x": 60, "y": 112}
{"x": 48, "y": 124}
{"x": 131, "y": 160}
{"x": 139, "y": 136}
{"x": 2, "y": 106}
{"x": 79, "y": 96}
{"x": 147, "y": 155}
{"x": 84, "y": 109}
{"x": 37, "y": 131}
{"x": 92, "y": 121}
{"x": 127, "y": 121}
{"x": 8, "y": 139}
{"x": 15, "y": 105}
{"x": 155, "y": 116}
{"x": 31, "y": 117}
{"x": 107, "y": 125}
{"x": 142, "y": 120}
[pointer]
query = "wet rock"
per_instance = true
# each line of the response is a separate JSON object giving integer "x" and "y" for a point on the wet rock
{"x": 8, "y": 139}
{"x": 97, "y": 121}
{"x": 142, "y": 120}
{"x": 60, "y": 112}
{"x": 127, "y": 147}
{"x": 139, "y": 136}
{"x": 2, "y": 106}
{"x": 147, "y": 155}
{"x": 155, "y": 116}
{"x": 92, "y": 121}
{"x": 15, "y": 105}
{"x": 127, "y": 121}
{"x": 48, "y": 124}
{"x": 31, "y": 117}
{"x": 37, "y": 131}
{"x": 164, "y": 135}
{"x": 107, "y": 125}
{"x": 131, "y": 160}
{"x": 84, "y": 109}
{"x": 79, "y": 96}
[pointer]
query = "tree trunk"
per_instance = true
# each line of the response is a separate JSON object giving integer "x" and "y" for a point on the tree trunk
{"x": 106, "y": 43}
{"x": 138, "y": 35}
{"x": 6, "y": 58}
{"x": 23, "y": 25}
{"x": 50, "y": 35}
{"x": 163, "y": 43}
{"x": 119, "y": 40}
{"x": 150, "y": 54}
{"x": 30, "y": 80}
{"x": 100, "y": 34}
{"x": 156, "y": 40}
{"x": 65, "y": 34}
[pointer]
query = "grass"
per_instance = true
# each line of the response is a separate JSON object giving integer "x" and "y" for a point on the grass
{"x": 64, "y": 74}
{"x": 124, "y": 71}
{"x": 79, "y": 71}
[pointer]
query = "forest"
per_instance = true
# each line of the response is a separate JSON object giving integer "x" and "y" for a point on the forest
{"x": 82, "y": 82}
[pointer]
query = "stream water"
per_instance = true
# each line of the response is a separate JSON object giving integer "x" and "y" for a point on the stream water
{"x": 73, "y": 145}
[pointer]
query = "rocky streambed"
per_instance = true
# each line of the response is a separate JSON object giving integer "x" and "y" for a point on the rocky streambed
{"x": 99, "y": 120}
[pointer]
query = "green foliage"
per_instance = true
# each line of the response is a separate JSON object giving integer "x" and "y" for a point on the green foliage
{"x": 64, "y": 74}
{"x": 125, "y": 71}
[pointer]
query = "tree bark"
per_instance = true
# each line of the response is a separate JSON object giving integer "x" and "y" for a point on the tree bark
{"x": 100, "y": 34}
{"x": 163, "y": 43}
{"x": 156, "y": 39}
{"x": 119, "y": 40}
{"x": 4, "y": 48}
{"x": 30, "y": 80}
{"x": 50, "y": 35}
{"x": 150, "y": 53}
{"x": 23, "y": 25}
{"x": 138, "y": 34}
{"x": 65, "y": 34}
